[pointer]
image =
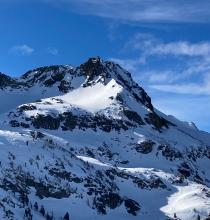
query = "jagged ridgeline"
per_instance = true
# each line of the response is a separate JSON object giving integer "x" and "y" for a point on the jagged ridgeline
{"x": 86, "y": 143}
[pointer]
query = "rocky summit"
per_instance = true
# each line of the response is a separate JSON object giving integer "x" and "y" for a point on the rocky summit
{"x": 86, "y": 142}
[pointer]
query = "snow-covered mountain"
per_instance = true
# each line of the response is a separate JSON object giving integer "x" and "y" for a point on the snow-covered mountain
{"x": 87, "y": 143}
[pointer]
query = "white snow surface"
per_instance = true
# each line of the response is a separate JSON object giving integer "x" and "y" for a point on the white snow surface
{"x": 93, "y": 98}
{"x": 71, "y": 163}
{"x": 187, "y": 202}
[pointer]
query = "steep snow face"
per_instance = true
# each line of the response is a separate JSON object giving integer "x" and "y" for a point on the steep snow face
{"x": 94, "y": 98}
{"x": 94, "y": 142}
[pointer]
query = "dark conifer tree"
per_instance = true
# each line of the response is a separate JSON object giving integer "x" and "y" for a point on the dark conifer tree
{"x": 36, "y": 207}
{"x": 66, "y": 216}
{"x": 42, "y": 210}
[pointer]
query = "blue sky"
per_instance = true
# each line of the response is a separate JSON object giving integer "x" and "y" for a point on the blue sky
{"x": 165, "y": 44}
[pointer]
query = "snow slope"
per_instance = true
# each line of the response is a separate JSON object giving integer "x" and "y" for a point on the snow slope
{"x": 88, "y": 138}
{"x": 91, "y": 99}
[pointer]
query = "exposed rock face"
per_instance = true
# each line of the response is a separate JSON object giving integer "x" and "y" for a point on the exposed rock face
{"x": 133, "y": 116}
{"x": 49, "y": 76}
{"x": 93, "y": 67}
{"x": 157, "y": 121}
{"x": 26, "y": 107}
{"x": 184, "y": 169}
{"x": 6, "y": 81}
{"x": 145, "y": 147}
{"x": 46, "y": 122}
{"x": 170, "y": 153}
{"x": 131, "y": 206}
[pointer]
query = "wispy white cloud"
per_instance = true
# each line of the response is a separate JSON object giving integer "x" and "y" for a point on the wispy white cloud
{"x": 149, "y": 76}
{"x": 149, "y": 45}
{"x": 190, "y": 72}
{"x": 129, "y": 64}
{"x": 22, "y": 50}
{"x": 182, "y": 48}
{"x": 202, "y": 88}
{"x": 142, "y": 10}
{"x": 52, "y": 50}
{"x": 188, "y": 88}
{"x": 157, "y": 76}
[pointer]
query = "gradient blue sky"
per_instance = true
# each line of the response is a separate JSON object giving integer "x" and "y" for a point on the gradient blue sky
{"x": 165, "y": 44}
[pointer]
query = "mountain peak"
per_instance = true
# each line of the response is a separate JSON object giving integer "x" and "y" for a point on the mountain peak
{"x": 56, "y": 79}
{"x": 93, "y": 67}
{"x": 89, "y": 137}
{"x": 7, "y": 81}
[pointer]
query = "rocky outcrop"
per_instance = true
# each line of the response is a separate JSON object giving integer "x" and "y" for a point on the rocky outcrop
{"x": 133, "y": 116}
{"x": 157, "y": 121}
{"x": 6, "y": 81}
{"x": 132, "y": 206}
{"x": 145, "y": 147}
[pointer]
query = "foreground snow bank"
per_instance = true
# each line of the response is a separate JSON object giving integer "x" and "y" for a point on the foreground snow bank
{"x": 183, "y": 202}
